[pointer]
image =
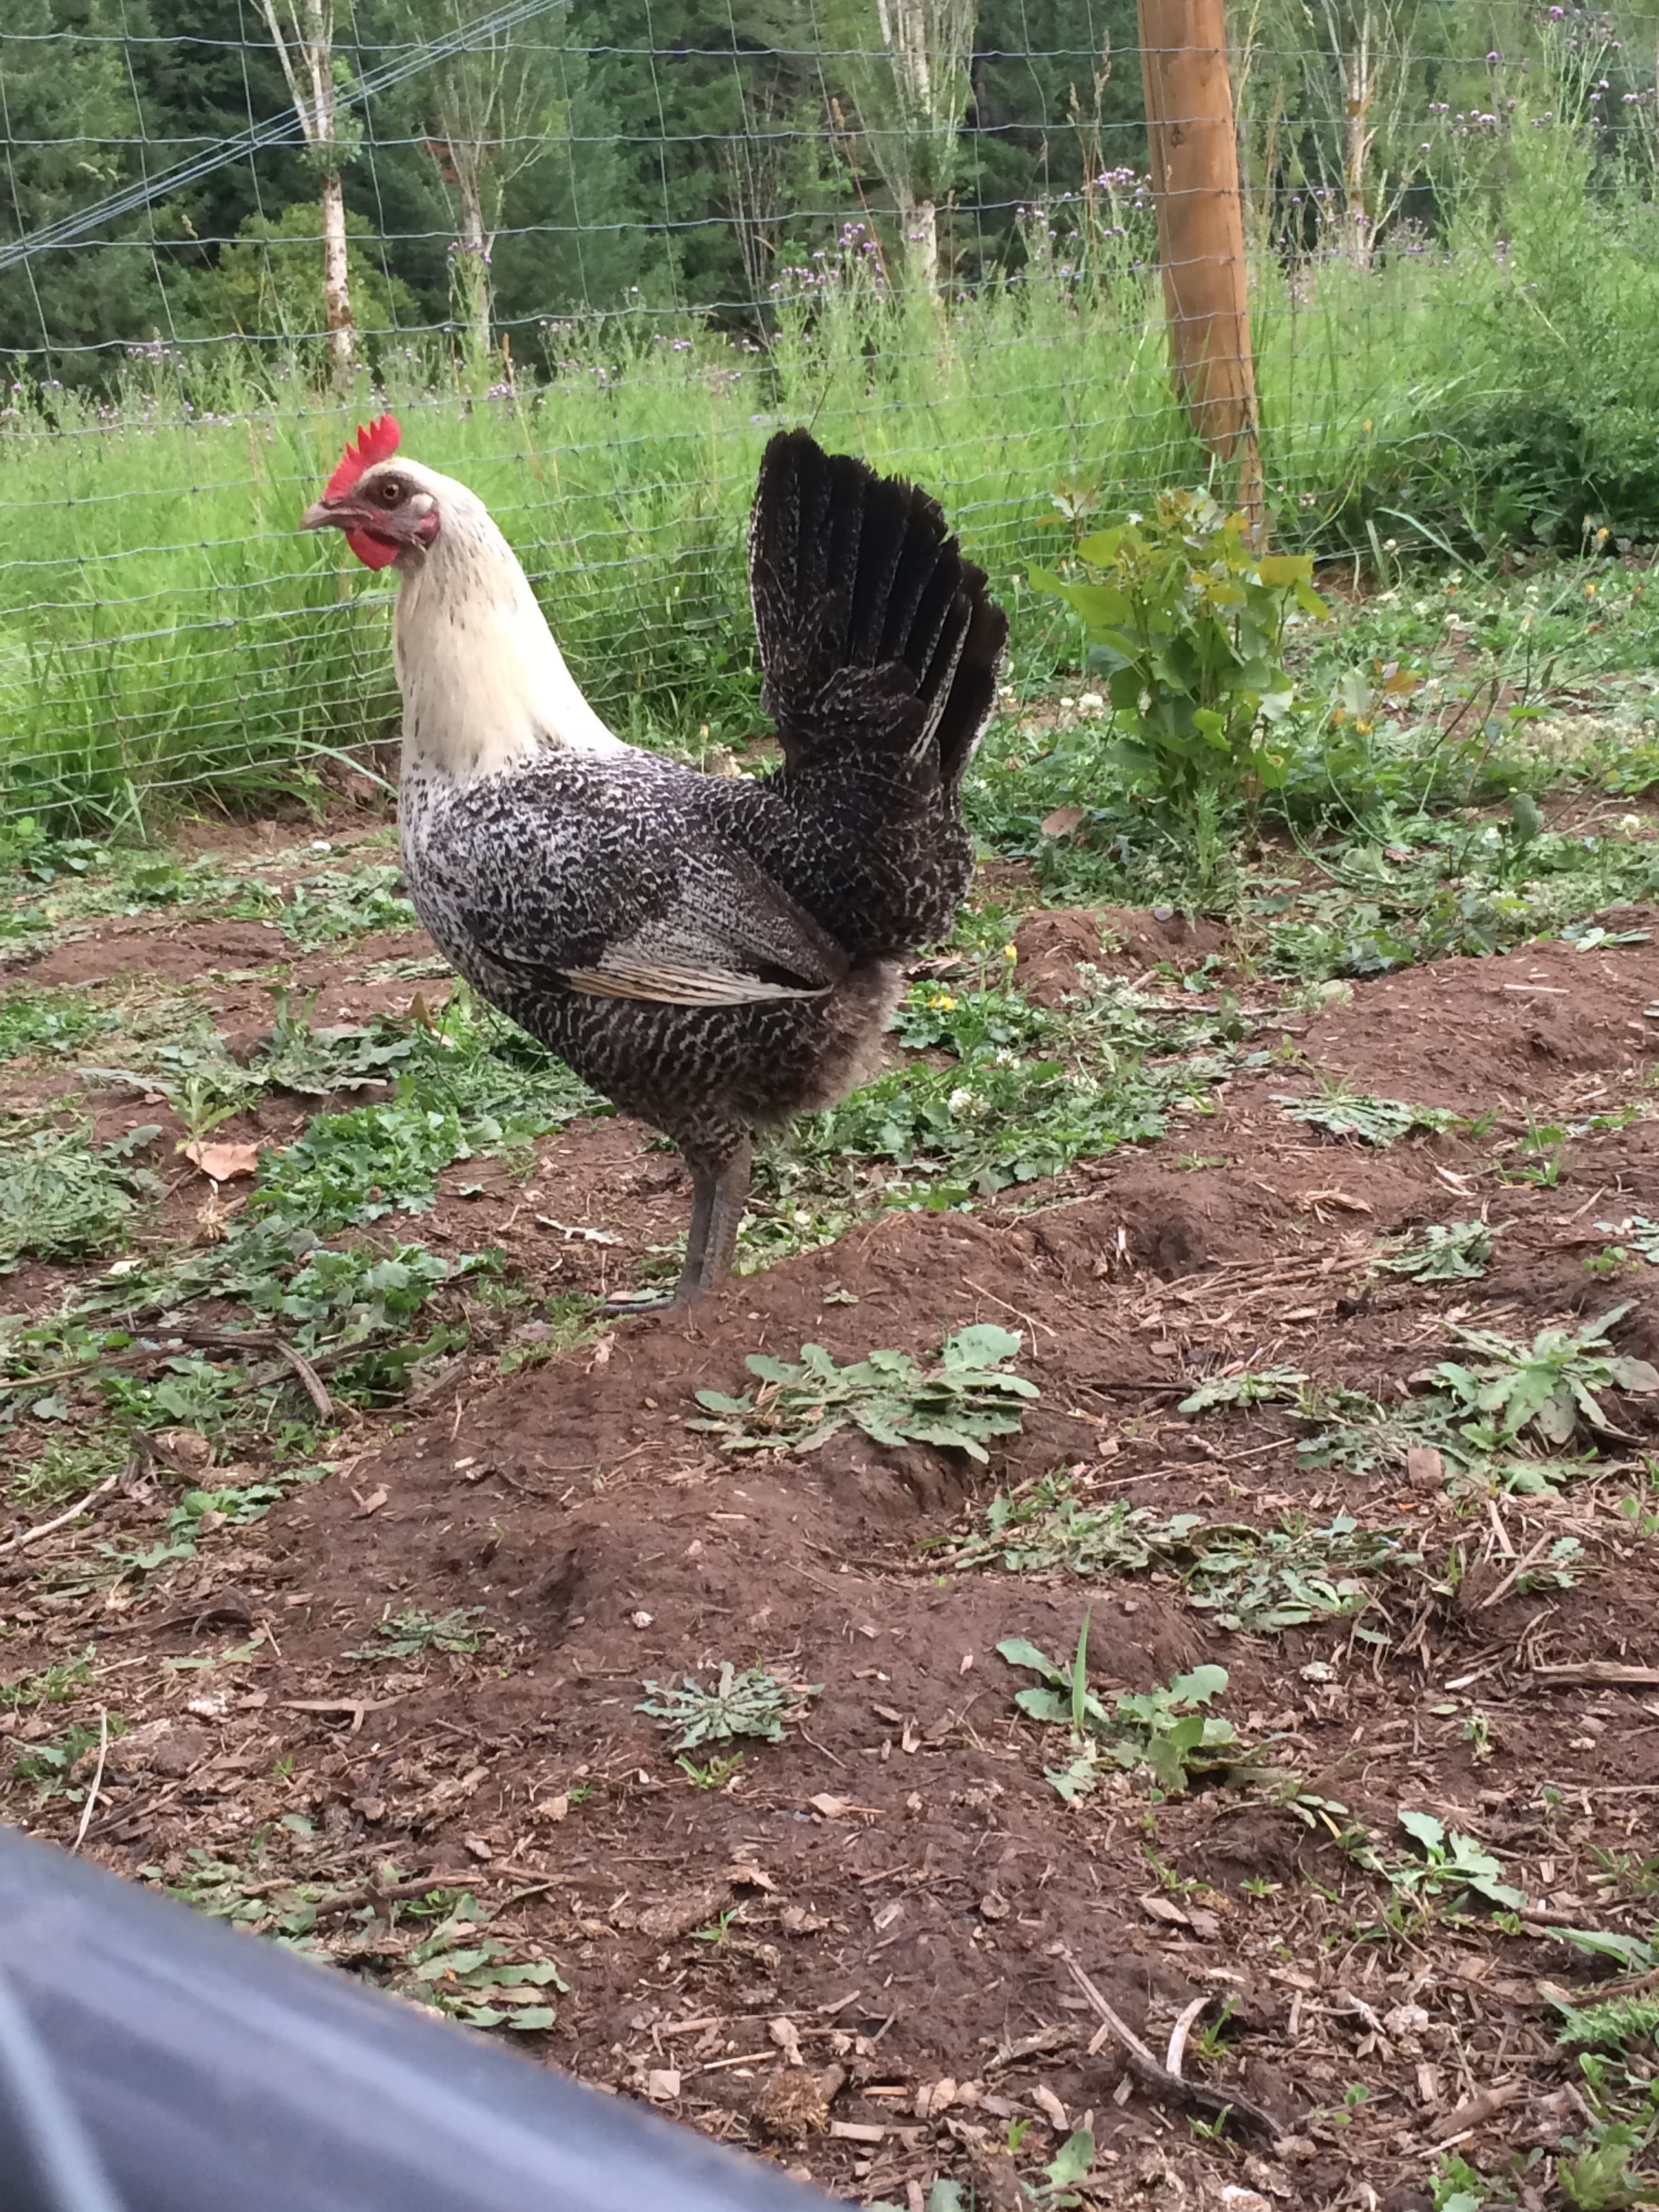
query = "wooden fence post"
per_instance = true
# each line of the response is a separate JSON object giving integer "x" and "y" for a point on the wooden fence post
{"x": 1200, "y": 229}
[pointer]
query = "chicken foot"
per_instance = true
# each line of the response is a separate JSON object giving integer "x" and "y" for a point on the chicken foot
{"x": 720, "y": 1191}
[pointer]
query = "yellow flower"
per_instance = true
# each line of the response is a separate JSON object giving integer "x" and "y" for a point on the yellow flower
{"x": 1011, "y": 952}
{"x": 941, "y": 1002}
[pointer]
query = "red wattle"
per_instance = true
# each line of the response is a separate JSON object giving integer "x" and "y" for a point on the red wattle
{"x": 373, "y": 552}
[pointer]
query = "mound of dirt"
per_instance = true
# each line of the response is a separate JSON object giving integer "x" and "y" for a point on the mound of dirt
{"x": 1051, "y": 944}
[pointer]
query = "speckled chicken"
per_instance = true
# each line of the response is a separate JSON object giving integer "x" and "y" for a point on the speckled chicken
{"x": 713, "y": 953}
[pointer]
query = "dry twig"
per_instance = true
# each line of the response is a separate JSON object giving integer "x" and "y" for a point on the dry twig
{"x": 1219, "y": 2104}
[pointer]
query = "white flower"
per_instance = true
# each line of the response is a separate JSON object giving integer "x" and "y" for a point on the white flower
{"x": 1630, "y": 823}
{"x": 959, "y": 1100}
{"x": 1091, "y": 700}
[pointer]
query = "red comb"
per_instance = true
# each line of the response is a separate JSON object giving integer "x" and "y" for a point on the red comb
{"x": 378, "y": 441}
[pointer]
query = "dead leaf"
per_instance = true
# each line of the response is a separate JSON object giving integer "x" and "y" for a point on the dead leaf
{"x": 222, "y": 1162}
{"x": 747, "y": 1874}
{"x": 796, "y": 1920}
{"x": 937, "y": 2098}
{"x": 376, "y": 1499}
{"x": 831, "y": 1807}
{"x": 787, "y": 2036}
{"x": 1165, "y": 1909}
{"x": 1061, "y": 822}
{"x": 662, "y": 2084}
{"x": 1050, "y": 2107}
{"x": 185, "y": 1448}
{"x": 1341, "y": 1199}
{"x": 554, "y": 1808}
{"x": 993, "y": 1907}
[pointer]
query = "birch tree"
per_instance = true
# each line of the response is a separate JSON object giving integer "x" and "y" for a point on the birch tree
{"x": 908, "y": 71}
{"x": 303, "y": 36}
{"x": 496, "y": 109}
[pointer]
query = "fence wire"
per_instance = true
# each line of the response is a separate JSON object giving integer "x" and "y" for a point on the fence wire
{"x": 594, "y": 255}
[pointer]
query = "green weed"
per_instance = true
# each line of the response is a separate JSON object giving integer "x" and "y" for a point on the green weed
{"x": 64, "y": 1196}
{"x": 967, "y": 1398}
{"x": 755, "y": 1703}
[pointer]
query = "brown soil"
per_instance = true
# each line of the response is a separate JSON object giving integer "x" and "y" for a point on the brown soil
{"x": 895, "y": 1880}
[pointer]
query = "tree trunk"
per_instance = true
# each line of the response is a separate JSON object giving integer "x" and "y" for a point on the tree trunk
{"x": 1359, "y": 92}
{"x": 1200, "y": 228}
{"x": 337, "y": 281}
{"x": 919, "y": 220}
{"x": 473, "y": 272}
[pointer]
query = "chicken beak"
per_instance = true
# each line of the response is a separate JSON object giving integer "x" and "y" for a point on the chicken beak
{"x": 322, "y": 516}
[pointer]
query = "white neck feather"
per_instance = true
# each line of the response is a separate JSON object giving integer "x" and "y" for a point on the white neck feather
{"x": 484, "y": 685}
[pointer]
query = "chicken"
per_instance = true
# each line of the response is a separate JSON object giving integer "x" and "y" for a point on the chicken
{"x": 714, "y": 954}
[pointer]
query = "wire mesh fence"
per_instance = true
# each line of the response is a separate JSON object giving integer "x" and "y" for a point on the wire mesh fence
{"x": 591, "y": 255}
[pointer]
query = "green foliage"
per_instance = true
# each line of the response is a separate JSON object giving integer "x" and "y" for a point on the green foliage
{"x": 63, "y": 1196}
{"x": 1186, "y": 621}
{"x": 1163, "y": 1730}
{"x": 1611, "y": 2025}
{"x": 50, "y": 1022}
{"x": 755, "y": 1703}
{"x": 1379, "y": 1121}
{"x": 1257, "y": 1580}
{"x": 474, "y": 1978}
{"x": 1246, "y": 1390}
{"x": 57, "y": 1685}
{"x": 1444, "y": 1252}
{"x": 1452, "y": 1862}
{"x": 1546, "y": 1387}
{"x": 411, "y": 1633}
{"x": 967, "y": 1398}
{"x": 53, "y": 1766}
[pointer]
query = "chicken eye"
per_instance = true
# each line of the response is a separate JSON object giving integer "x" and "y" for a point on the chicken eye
{"x": 391, "y": 492}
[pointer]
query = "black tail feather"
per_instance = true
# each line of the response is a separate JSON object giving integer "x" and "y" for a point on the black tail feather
{"x": 876, "y": 636}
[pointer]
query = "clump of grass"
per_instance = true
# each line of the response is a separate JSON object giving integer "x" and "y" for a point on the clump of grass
{"x": 755, "y": 1703}
{"x": 64, "y": 1196}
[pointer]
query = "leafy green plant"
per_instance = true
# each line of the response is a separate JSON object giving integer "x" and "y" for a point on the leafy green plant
{"x": 57, "y": 1685}
{"x": 52, "y": 1766}
{"x": 1444, "y": 1252}
{"x": 967, "y": 1397}
{"x": 1163, "y": 1730}
{"x": 755, "y": 1703}
{"x": 1547, "y": 1386}
{"x": 412, "y": 1633}
{"x": 1046, "y": 1526}
{"x": 1186, "y": 619}
{"x": 1611, "y": 2025}
{"x": 1598, "y": 2176}
{"x": 1247, "y": 1389}
{"x": 1263, "y": 1580}
{"x": 55, "y": 1022}
{"x": 1379, "y": 1121}
{"x": 64, "y": 1196}
{"x": 479, "y": 1981}
{"x": 1257, "y": 1580}
{"x": 1452, "y": 1862}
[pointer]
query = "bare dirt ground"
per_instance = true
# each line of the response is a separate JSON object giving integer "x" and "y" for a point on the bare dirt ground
{"x": 851, "y": 1953}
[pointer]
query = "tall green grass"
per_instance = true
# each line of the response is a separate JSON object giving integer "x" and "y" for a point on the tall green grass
{"x": 166, "y": 633}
